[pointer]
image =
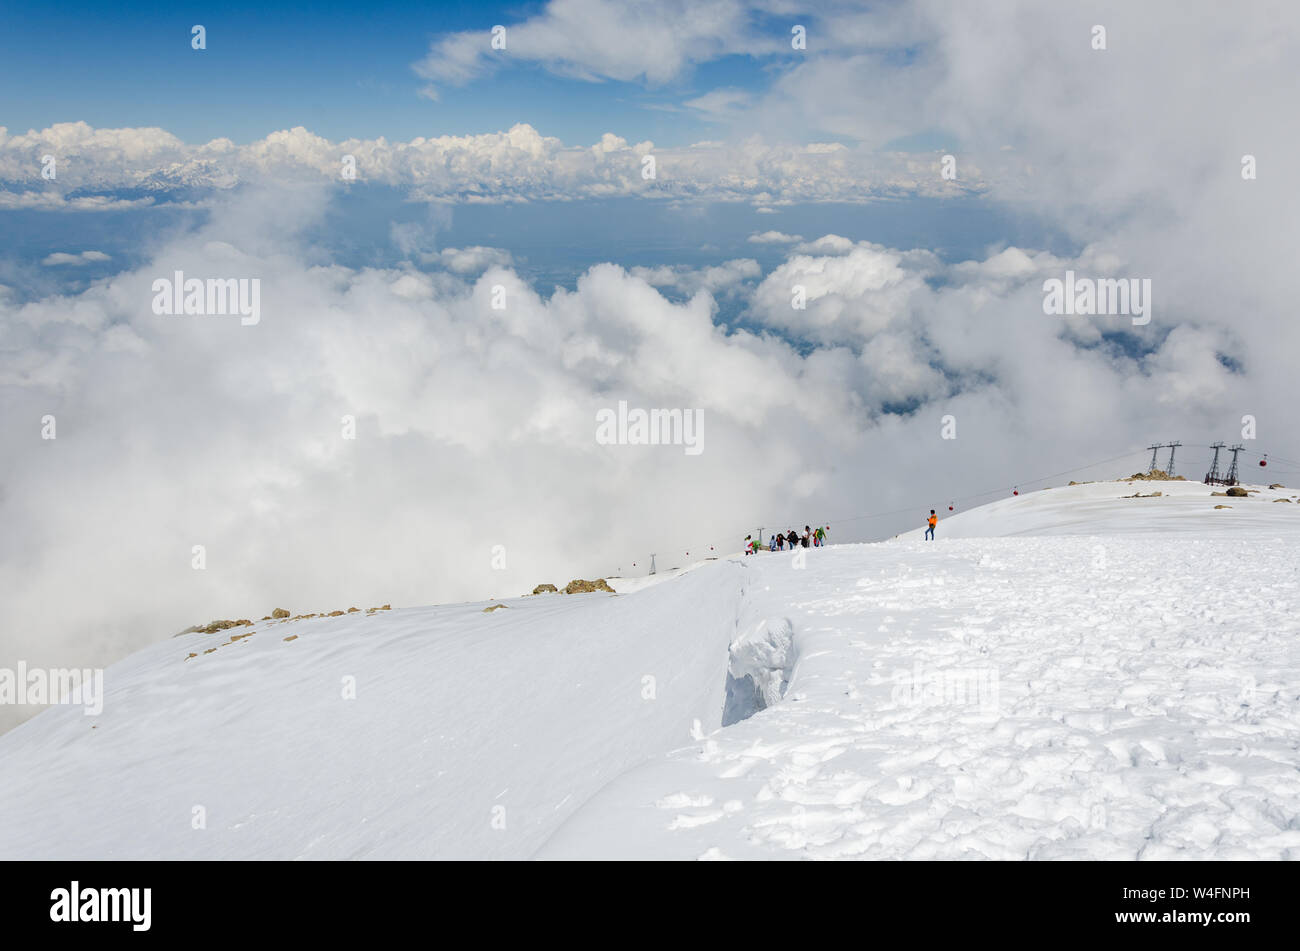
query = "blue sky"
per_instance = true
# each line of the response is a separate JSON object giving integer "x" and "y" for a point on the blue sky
{"x": 345, "y": 71}
{"x": 341, "y": 70}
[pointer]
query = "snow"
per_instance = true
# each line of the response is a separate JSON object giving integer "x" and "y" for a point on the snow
{"x": 457, "y": 712}
{"x": 1064, "y": 674}
{"x": 1114, "y": 678}
{"x": 630, "y": 585}
{"x": 1100, "y": 508}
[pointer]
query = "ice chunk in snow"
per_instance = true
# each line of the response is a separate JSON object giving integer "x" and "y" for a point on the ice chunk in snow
{"x": 758, "y": 671}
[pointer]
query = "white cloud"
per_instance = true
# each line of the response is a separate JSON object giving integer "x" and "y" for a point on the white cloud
{"x": 519, "y": 164}
{"x": 601, "y": 39}
{"x": 57, "y": 201}
{"x": 473, "y": 260}
{"x": 773, "y": 237}
{"x": 724, "y": 278}
{"x": 721, "y": 103}
{"x": 849, "y": 296}
{"x": 85, "y": 257}
{"x": 827, "y": 244}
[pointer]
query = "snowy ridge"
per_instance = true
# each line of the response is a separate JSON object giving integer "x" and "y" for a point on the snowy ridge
{"x": 1112, "y": 677}
{"x": 1110, "y": 508}
{"x": 1068, "y": 695}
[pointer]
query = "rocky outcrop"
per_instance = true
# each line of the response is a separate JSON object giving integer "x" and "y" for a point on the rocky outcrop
{"x": 1158, "y": 475}
{"x": 579, "y": 586}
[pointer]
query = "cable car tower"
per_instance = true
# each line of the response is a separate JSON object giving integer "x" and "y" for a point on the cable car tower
{"x": 1213, "y": 477}
{"x": 1232, "y": 469}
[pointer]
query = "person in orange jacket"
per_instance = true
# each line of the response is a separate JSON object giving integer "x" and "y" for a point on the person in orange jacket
{"x": 932, "y": 521}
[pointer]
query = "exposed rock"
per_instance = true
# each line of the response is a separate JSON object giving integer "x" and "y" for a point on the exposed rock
{"x": 353, "y": 610}
{"x": 292, "y": 637}
{"x": 1281, "y": 500}
{"x": 1236, "y": 492}
{"x": 489, "y": 610}
{"x": 544, "y": 589}
{"x": 1277, "y": 485}
{"x": 1223, "y": 506}
{"x": 579, "y": 586}
{"x": 279, "y": 612}
{"x": 1159, "y": 475}
{"x": 335, "y": 614}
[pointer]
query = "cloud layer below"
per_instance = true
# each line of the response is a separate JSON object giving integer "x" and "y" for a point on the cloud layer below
{"x": 519, "y": 164}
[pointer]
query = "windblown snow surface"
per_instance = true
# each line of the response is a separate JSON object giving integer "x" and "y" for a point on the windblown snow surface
{"x": 1066, "y": 674}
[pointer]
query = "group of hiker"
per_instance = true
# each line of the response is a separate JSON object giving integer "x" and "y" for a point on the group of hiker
{"x": 811, "y": 538}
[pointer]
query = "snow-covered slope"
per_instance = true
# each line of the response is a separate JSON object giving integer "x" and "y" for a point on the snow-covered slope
{"x": 463, "y": 722}
{"x": 1107, "y": 508}
{"x": 1113, "y": 696}
{"x": 1064, "y": 674}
